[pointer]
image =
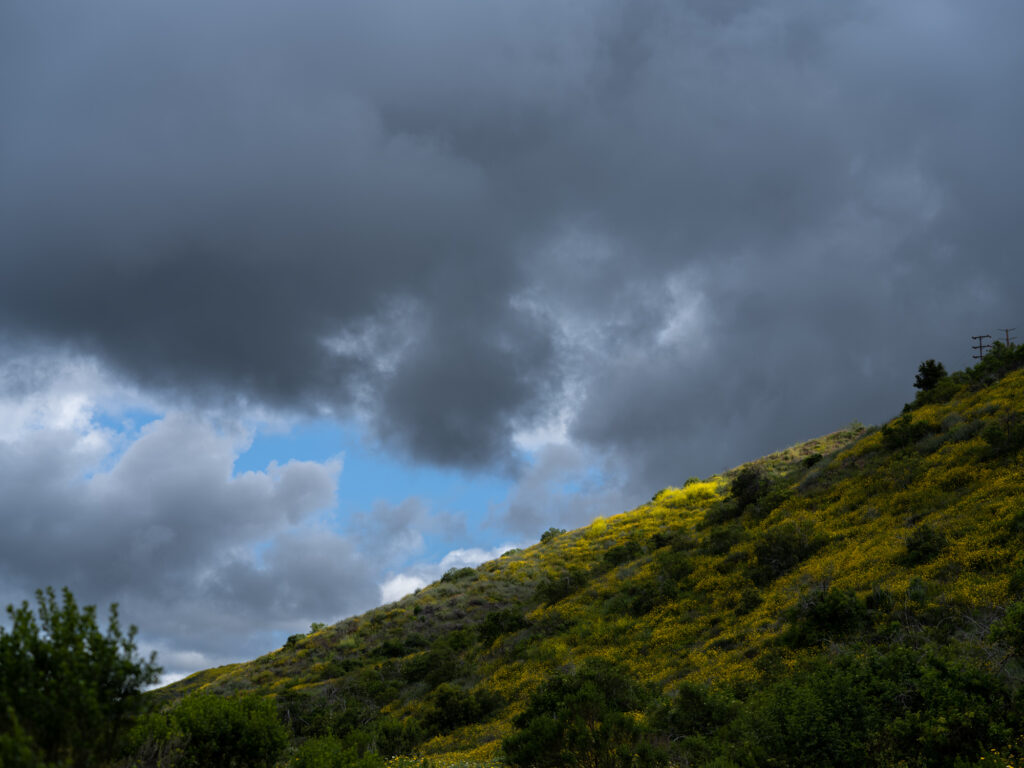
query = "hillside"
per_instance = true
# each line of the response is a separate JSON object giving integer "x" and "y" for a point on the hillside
{"x": 739, "y": 611}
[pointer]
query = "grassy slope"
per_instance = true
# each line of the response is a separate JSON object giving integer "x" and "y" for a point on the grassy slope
{"x": 684, "y": 588}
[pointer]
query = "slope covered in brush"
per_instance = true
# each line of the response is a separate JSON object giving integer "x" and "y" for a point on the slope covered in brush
{"x": 854, "y": 600}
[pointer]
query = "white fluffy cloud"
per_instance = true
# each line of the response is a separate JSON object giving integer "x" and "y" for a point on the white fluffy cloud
{"x": 399, "y": 585}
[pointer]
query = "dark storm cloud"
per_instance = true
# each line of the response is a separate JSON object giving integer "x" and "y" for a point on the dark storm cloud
{"x": 461, "y": 217}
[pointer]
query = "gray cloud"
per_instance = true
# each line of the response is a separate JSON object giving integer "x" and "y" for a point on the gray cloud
{"x": 210, "y": 564}
{"x": 705, "y": 229}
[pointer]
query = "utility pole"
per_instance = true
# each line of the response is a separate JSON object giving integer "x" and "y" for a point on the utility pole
{"x": 1009, "y": 341}
{"x": 981, "y": 345}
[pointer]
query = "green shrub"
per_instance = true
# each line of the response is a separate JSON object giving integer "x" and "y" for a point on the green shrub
{"x": 810, "y": 461}
{"x": 721, "y": 511}
{"x": 1015, "y": 587}
{"x": 879, "y": 600}
{"x": 500, "y": 622}
{"x": 621, "y": 554}
{"x": 904, "y": 432}
{"x": 824, "y": 614}
{"x": 551, "y": 590}
{"x": 639, "y": 598}
{"x": 673, "y": 565}
{"x": 390, "y": 649}
{"x": 748, "y": 486}
{"x": 698, "y": 710}
{"x": 749, "y": 599}
{"x": 1004, "y": 436}
{"x": 391, "y": 736}
{"x": 551, "y": 533}
{"x": 581, "y": 719}
{"x": 722, "y": 539}
{"x": 224, "y": 732}
{"x": 450, "y": 707}
{"x": 1009, "y": 630}
{"x": 923, "y": 544}
{"x": 17, "y": 748}
{"x": 781, "y": 548}
{"x": 435, "y": 666}
{"x": 332, "y": 752}
{"x": 874, "y": 707}
{"x": 457, "y": 574}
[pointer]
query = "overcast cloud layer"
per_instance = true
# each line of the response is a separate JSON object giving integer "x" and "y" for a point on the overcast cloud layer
{"x": 609, "y": 244}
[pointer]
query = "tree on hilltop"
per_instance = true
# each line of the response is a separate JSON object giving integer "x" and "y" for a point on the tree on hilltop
{"x": 929, "y": 374}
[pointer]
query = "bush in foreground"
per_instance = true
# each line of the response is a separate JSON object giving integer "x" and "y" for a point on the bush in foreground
{"x": 67, "y": 690}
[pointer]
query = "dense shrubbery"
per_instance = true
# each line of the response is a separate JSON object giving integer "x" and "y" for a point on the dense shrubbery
{"x": 621, "y": 554}
{"x": 449, "y": 707}
{"x": 499, "y": 623}
{"x": 332, "y": 752}
{"x": 211, "y": 732}
{"x": 782, "y": 548}
{"x": 904, "y": 432}
{"x": 824, "y": 614}
{"x": 552, "y": 590}
{"x": 875, "y": 707}
{"x": 1009, "y": 630}
{"x": 922, "y": 545}
{"x": 582, "y": 718}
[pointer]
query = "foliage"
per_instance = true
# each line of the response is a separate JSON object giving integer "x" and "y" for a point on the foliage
{"x": 904, "y": 432}
{"x": 457, "y": 574}
{"x": 499, "y": 623}
{"x": 929, "y": 374}
{"x": 552, "y": 590}
{"x": 748, "y": 486}
{"x": 824, "y": 614}
{"x": 1009, "y": 630}
{"x": 1005, "y": 435}
{"x": 923, "y": 545}
{"x": 67, "y": 690}
{"x": 449, "y": 707}
{"x": 690, "y": 720}
{"x": 332, "y": 752}
{"x": 781, "y": 548}
{"x": 221, "y": 732}
{"x": 550, "y": 533}
{"x": 621, "y": 553}
{"x": 875, "y": 707}
{"x": 17, "y": 748}
{"x": 581, "y": 718}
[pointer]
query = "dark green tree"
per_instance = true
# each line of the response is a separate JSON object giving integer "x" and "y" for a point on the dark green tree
{"x": 929, "y": 374}
{"x": 68, "y": 690}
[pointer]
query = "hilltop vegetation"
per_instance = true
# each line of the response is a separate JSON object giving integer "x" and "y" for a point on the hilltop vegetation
{"x": 856, "y": 600}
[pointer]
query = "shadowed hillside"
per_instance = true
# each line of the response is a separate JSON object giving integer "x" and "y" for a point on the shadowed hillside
{"x": 872, "y": 574}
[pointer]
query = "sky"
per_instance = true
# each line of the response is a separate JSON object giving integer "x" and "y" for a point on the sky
{"x": 303, "y": 303}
